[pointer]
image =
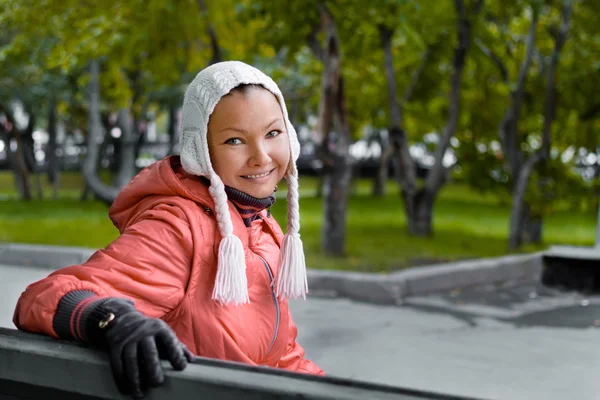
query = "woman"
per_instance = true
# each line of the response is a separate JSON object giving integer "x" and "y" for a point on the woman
{"x": 200, "y": 266}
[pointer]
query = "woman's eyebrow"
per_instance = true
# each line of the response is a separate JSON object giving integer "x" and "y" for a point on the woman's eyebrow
{"x": 272, "y": 122}
{"x": 233, "y": 128}
{"x": 245, "y": 132}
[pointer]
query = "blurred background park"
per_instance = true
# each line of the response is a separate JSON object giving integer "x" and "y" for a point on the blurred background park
{"x": 430, "y": 130}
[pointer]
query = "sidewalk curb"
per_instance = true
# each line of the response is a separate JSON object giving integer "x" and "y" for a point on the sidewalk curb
{"x": 366, "y": 287}
{"x": 393, "y": 288}
{"x": 43, "y": 256}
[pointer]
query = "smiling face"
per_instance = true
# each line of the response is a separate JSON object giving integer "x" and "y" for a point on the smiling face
{"x": 247, "y": 140}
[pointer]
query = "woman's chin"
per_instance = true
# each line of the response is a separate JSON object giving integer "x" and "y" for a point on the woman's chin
{"x": 258, "y": 190}
{"x": 260, "y": 193}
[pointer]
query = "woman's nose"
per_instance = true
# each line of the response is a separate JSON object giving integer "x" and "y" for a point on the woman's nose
{"x": 260, "y": 156}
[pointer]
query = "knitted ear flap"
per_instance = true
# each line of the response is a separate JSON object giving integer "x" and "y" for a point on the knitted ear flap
{"x": 231, "y": 283}
{"x": 291, "y": 280}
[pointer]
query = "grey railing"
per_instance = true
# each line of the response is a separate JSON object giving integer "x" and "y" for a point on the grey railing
{"x": 39, "y": 367}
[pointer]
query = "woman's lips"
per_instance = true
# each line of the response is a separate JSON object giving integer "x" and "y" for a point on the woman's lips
{"x": 259, "y": 178}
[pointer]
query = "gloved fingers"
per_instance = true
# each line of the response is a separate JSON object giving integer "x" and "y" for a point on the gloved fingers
{"x": 171, "y": 349}
{"x": 153, "y": 375}
{"x": 132, "y": 371}
{"x": 189, "y": 356}
{"x": 117, "y": 369}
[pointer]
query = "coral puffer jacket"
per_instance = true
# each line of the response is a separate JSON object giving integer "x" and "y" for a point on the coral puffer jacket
{"x": 165, "y": 260}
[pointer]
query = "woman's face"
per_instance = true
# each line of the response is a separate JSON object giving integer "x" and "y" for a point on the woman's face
{"x": 248, "y": 143}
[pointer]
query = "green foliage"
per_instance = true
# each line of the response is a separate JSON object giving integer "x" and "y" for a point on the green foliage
{"x": 144, "y": 46}
{"x": 468, "y": 224}
{"x": 150, "y": 50}
{"x": 481, "y": 165}
{"x": 557, "y": 185}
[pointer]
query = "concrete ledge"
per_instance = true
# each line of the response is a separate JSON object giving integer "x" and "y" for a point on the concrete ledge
{"x": 370, "y": 288}
{"x": 35, "y": 366}
{"x": 573, "y": 252}
{"x": 367, "y": 287}
{"x": 43, "y": 256}
{"x": 572, "y": 268}
{"x": 393, "y": 288}
{"x": 460, "y": 274}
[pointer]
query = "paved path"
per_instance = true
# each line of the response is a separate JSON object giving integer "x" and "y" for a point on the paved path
{"x": 514, "y": 342}
{"x": 13, "y": 281}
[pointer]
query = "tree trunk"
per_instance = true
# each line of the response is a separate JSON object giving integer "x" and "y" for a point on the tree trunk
{"x": 332, "y": 109}
{"x": 508, "y": 130}
{"x": 508, "y": 135}
{"x": 128, "y": 150}
{"x": 523, "y": 225}
{"x": 90, "y": 171}
{"x": 173, "y": 128}
{"x": 17, "y": 159}
{"x": 381, "y": 178}
{"x": 28, "y": 142}
{"x": 336, "y": 186}
{"x": 534, "y": 228}
{"x": 520, "y": 210}
{"x": 22, "y": 172}
{"x": 398, "y": 147}
{"x": 438, "y": 174}
{"x": 320, "y": 185}
{"x": 29, "y": 154}
{"x": 53, "y": 170}
{"x": 86, "y": 192}
{"x": 536, "y": 223}
{"x": 138, "y": 138}
{"x": 11, "y": 161}
{"x": 395, "y": 112}
{"x": 419, "y": 212}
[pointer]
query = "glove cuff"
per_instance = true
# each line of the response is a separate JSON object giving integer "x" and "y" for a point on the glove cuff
{"x": 80, "y": 312}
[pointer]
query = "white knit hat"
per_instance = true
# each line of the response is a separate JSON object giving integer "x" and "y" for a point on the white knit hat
{"x": 201, "y": 97}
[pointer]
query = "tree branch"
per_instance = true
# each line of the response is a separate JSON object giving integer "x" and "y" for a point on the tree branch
{"x": 405, "y": 169}
{"x": 477, "y": 7}
{"x": 385, "y": 34}
{"x": 590, "y": 113}
{"x": 459, "y": 6}
{"x": 507, "y": 131}
{"x": 315, "y": 46}
{"x": 90, "y": 173}
{"x": 416, "y": 76}
{"x": 550, "y": 103}
{"x": 212, "y": 35}
{"x": 526, "y": 62}
{"x": 495, "y": 59}
{"x": 436, "y": 174}
{"x": 9, "y": 116}
{"x": 330, "y": 78}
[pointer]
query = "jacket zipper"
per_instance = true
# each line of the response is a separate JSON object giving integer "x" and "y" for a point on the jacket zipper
{"x": 275, "y": 302}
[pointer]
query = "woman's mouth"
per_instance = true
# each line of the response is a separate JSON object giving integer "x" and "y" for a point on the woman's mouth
{"x": 258, "y": 177}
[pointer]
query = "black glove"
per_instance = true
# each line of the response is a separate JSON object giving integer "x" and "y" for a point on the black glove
{"x": 135, "y": 344}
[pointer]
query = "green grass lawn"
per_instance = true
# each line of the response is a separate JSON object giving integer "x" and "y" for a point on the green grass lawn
{"x": 467, "y": 224}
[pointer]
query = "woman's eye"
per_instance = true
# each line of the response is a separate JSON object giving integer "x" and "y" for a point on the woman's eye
{"x": 273, "y": 133}
{"x": 233, "y": 141}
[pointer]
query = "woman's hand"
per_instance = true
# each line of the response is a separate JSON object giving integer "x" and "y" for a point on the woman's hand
{"x": 135, "y": 344}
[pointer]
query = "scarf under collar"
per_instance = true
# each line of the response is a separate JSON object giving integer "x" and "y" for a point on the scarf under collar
{"x": 249, "y": 207}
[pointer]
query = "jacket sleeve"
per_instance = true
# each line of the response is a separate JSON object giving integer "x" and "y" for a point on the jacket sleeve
{"x": 293, "y": 358}
{"x": 148, "y": 263}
